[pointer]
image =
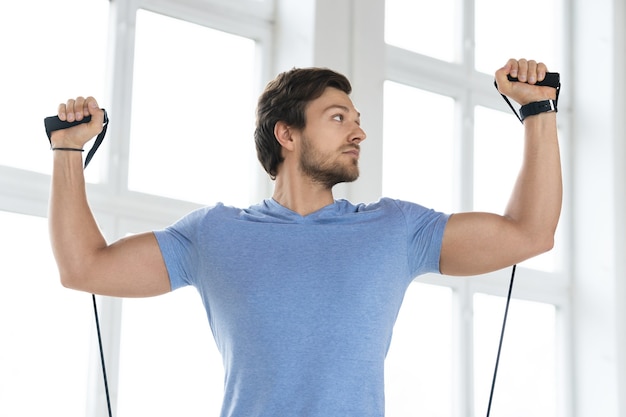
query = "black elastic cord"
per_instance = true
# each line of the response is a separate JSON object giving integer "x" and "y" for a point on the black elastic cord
{"x": 99, "y": 139}
{"x": 506, "y": 312}
{"x": 104, "y": 370}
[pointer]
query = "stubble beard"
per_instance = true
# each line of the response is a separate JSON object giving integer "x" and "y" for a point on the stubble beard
{"x": 320, "y": 169}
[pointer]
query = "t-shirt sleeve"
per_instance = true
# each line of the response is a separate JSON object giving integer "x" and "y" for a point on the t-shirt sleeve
{"x": 178, "y": 248}
{"x": 425, "y": 229}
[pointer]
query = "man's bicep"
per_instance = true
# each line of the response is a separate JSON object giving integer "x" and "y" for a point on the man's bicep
{"x": 131, "y": 267}
{"x": 477, "y": 243}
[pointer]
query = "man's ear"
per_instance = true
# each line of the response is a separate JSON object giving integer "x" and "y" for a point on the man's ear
{"x": 282, "y": 133}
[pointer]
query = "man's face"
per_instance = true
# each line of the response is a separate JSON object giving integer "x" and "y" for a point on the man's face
{"x": 329, "y": 145}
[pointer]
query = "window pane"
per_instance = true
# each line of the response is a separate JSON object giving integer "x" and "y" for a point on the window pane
{"x": 192, "y": 112}
{"x": 495, "y": 43}
{"x": 45, "y": 329}
{"x": 498, "y": 148}
{"x": 426, "y": 27}
{"x": 527, "y": 368}
{"x": 36, "y": 59}
{"x": 418, "y": 369}
{"x": 169, "y": 363}
{"x": 417, "y": 147}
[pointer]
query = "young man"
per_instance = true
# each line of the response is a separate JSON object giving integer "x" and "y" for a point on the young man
{"x": 302, "y": 290}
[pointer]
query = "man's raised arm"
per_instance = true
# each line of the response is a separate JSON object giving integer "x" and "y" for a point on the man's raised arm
{"x": 130, "y": 267}
{"x": 476, "y": 243}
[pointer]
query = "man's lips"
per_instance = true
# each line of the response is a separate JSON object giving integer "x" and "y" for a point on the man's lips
{"x": 353, "y": 151}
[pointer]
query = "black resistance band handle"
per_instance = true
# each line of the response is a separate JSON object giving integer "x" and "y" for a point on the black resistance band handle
{"x": 552, "y": 79}
{"x": 53, "y": 123}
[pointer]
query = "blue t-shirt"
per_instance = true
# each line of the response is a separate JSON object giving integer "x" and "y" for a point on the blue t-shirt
{"x": 302, "y": 308}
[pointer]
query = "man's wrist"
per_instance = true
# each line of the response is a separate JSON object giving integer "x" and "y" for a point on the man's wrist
{"x": 538, "y": 107}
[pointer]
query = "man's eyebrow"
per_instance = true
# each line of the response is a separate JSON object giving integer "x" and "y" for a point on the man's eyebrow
{"x": 342, "y": 107}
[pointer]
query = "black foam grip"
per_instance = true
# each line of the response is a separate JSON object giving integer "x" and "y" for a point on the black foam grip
{"x": 552, "y": 79}
{"x": 53, "y": 123}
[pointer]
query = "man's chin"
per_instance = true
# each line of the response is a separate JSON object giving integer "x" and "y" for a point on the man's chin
{"x": 349, "y": 178}
{"x": 337, "y": 176}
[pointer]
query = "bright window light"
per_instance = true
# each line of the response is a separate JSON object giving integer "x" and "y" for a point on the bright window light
{"x": 495, "y": 43}
{"x": 418, "y": 146}
{"x": 46, "y": 330}
{"x": 46, "y": 63}
{"x": 526, "y": 380}
{"x": 192, "y": 112}
{"x": 426, "y": 27}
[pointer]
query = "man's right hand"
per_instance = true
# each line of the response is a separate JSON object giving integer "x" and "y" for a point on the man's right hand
{"x": 76, "y": 110}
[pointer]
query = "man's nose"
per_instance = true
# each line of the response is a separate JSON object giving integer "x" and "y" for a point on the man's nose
{"x": 359, "y": 134}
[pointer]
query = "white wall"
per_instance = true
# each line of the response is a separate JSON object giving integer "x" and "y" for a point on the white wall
{"x": 597, "y": 196}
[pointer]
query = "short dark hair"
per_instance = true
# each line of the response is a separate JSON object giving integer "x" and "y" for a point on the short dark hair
{"x": 285, "y": 99}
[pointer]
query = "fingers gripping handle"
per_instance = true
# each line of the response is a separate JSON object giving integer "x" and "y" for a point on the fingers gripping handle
{"x": 53, "y": 123}
{"x": 552, "y": 79}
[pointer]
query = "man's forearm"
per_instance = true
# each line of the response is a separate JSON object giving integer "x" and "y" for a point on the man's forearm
{"x": 535, "y": 203}
{"x": 74, "y": 233}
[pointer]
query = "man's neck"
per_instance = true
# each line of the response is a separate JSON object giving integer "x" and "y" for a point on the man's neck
{"x": 302, "y": 195}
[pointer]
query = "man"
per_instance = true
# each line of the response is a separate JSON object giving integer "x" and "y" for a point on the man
{"x": 302, "y": 290}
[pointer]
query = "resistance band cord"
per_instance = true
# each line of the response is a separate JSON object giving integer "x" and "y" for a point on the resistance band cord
{"x": 54, "y": 123}
{"x": 104, "y": 371}
{"x": 506, "y": 313}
